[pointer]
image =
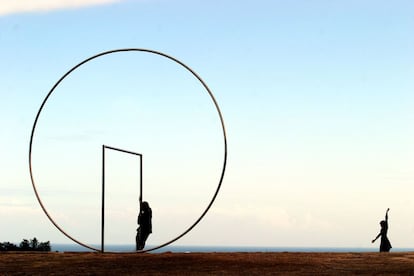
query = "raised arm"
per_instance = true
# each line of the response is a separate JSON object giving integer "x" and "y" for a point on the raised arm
{"x": 386, "y": 215}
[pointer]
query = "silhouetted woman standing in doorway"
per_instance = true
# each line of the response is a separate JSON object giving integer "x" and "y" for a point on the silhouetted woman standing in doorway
{"x": 145, "y": 225}
{"x": 385, "y": 245}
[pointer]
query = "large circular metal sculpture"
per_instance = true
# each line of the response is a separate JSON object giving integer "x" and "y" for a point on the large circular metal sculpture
{"x": 108, "y": 53}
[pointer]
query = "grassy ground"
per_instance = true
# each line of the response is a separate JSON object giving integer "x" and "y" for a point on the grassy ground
{"x": 207, "y": 263}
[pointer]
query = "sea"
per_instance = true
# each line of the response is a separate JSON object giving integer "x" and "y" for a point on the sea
{"x": 205, "y": 249}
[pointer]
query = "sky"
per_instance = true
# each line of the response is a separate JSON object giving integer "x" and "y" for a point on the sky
{"x": 317, "y": 99}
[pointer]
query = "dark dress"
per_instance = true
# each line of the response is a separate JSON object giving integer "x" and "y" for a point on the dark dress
{"x": 385, "y": 245}
{"x": 145, "y": 227}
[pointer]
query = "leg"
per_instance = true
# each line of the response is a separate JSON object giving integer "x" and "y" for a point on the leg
{"x": 138, "y": 245}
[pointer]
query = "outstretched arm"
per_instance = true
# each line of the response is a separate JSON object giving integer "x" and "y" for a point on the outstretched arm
{"x": 386, "y": 215}
{"x": 379, "y": 235}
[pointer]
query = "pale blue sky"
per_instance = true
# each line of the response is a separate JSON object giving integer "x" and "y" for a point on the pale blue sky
{"x": 316, "y": 96}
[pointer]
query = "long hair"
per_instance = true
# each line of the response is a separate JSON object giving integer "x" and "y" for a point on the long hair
{"x": 145, "y": 207}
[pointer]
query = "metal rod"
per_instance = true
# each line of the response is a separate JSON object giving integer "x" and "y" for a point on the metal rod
{"x": 103, "y": 201}
{"x": 121, "y": 150}
{"x": 140, "y": 180}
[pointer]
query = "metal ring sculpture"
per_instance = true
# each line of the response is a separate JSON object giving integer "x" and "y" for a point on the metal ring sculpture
{"x": 107, "y": 53}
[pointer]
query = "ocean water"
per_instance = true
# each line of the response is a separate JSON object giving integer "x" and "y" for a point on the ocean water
{"x": 192, "y": 248}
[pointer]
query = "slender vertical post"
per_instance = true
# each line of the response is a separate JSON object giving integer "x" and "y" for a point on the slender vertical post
{"x": 103, "y": 201}
{"x": 140, "y": 180}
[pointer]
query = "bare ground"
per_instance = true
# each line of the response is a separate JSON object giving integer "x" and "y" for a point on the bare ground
{"x": 207, "y": 264}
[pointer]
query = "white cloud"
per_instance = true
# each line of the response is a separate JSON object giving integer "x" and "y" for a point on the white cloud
{"x": 11, "y": 7}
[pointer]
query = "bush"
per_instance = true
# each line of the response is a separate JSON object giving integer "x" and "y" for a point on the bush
{"x": 26, "y": 245}
{"x": 7, "y": 246}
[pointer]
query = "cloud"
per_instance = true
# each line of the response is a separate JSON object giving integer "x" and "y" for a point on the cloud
{"x": 12, "y": 7}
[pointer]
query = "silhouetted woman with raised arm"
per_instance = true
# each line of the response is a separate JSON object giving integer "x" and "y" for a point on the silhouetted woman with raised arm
{"x": 385, "y": 245}
{"x": 145, "y": 225}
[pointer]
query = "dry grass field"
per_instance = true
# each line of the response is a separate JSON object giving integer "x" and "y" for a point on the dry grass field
{"x": 207, "y": 264}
